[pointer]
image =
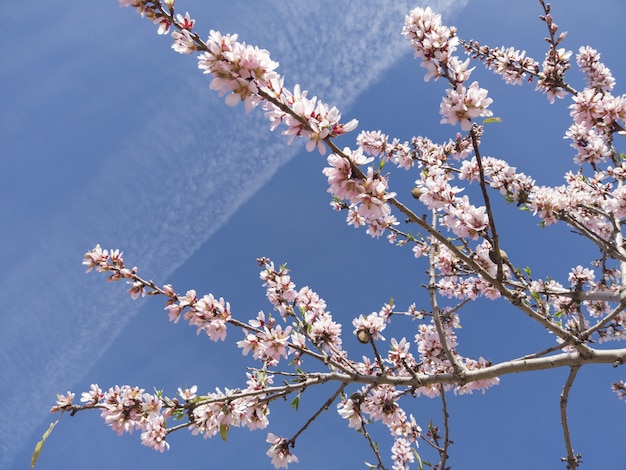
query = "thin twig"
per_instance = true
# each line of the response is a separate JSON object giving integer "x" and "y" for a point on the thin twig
{"x": 573, "y": 460}
{"x": 446, "y": 429}
{"x": 458, "y": 368}
{"x": 495, "y": 246}
{"x": 323, "y": 408}
{"x": 373, "y": 445}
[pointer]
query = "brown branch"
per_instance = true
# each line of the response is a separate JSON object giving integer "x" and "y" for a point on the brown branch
{"x": 573, "y": 460}
{"x": 458, "y": 368}
{"x": 323, "y": 408}
{"x": 446, "y": 429}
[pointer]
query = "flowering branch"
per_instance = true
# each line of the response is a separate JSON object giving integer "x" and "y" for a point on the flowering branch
{"x": 460, "y": 241}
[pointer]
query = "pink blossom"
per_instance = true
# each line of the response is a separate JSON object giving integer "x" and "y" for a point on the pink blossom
{"x": 124, "y": 408}
{"x": 96, "y": 258}
{"x": 188, "y": 393}
{"x": 430, "y": 349}
{"x": 326, "y": 333}
{"x": 354, "y": 218}
{"x": 185, "y": 22}
{"x": 597, "y": 74}
{"x": 482, "y": 385}
{"x": 466, "y": 220}
{"x": 401, "y": 454}
{"x": 131, "y": 3}
{"x": 511, "y": 64}
{"x": 436, "y": 191}
{"x": 205, "y": 421}
{"x": 251, "y": 343}
{"x": 399, "y": 355}
{"x": 430, "y": 39}
{"x": 92, "y": 397}
{"x": 249, "y": 412}
{"x": 211, "y": 316}
{"x": 154, "y": 433}
{"x": 579, "y": 276}
{"x": 183, "y": 42}
{"x": 275, "y": 343}
{"x": 554, "y": 67}
{"x": 381, "y": 405}
{"x": 462, "y": 104}
{"x": 374, "y": 323}
{"x": 616, "y": 204}
{"x": 372, "y": 142}
{"x": 63, "y": 402}
{"x": 350, "y": 410}
{"x": 163, "y": 24}
{"x": 279, "y": 451}
{"x": 620, "y": 389}
{"x": 420, "y": 249}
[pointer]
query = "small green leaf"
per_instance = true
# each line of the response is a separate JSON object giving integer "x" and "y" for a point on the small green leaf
{"x": 177, "y": 415}
{"x": 39, "y": 446}
{"x": 489, "y": 120}
{"x": 419, "y": 459}
{"x": 224, "y": 431}
{"x": 295, "y": 402}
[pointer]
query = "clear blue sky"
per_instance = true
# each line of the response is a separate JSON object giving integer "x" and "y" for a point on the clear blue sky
{"x": 109, "y": 137}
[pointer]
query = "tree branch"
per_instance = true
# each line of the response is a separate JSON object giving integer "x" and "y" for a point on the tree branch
{"x": 571, "y": 459}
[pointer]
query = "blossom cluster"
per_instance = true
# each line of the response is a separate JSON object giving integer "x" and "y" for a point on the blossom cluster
{"x": 435, "y": 44}
{"x": 366, "y": 192}
{"x": 245, "y": 73}
{"x": 126, "y": 409}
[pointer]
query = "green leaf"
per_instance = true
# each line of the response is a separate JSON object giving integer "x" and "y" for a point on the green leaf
{"x": 419, "y": 459}
{"x": 39, "y": 446}
{"x": 177, "y": 415}
{"x": 489, "y": 120}
{"x": 295, "y": 402}
{"x": 224, "y": 431}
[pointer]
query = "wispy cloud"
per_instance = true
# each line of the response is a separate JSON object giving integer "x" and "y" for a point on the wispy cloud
{"x": 175, "y": 179}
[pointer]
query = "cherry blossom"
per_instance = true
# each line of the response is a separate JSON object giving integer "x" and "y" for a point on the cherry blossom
{"x": 462, "y": 104}
{"x": 279, "y": 451}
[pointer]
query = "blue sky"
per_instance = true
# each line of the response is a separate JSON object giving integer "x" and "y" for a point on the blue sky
{"x": 109, "y": 137}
